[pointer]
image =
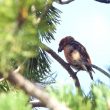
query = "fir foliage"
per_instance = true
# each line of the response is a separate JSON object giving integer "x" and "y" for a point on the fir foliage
{"x": 46, "y": 19}
{"x": 4, "y": 86}
{"x": 24, "y": 25}
{"x": 98, "y": 99}
{"x": 14, "y": 101}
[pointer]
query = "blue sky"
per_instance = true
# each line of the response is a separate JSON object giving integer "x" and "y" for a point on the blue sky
{"x": 89, "y": 23}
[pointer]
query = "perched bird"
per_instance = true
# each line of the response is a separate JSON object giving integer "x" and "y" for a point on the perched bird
{"x": 76, "y": 54}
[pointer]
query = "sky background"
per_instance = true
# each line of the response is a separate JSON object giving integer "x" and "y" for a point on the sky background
{"x": 88, "y": 22}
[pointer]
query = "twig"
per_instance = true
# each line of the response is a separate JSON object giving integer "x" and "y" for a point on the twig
{"x": 65, "y": 2}
{"x": 63, "y": 63}
{"x": 31, "y": 89}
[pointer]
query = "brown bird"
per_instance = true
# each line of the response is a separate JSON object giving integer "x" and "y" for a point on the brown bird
{"x": 76, "y": 54}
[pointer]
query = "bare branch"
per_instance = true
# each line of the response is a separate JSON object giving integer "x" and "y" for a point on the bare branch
{"x": 63, "y": 63}
{"x": 65, "y": 2}
{"x": 31, "y": 89}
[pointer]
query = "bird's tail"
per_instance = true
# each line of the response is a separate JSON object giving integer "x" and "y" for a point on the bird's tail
{"x": 90, "y": 73}
{"x": 89, "y": 70}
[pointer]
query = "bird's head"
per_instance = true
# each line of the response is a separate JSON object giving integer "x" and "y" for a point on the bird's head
{"x": 65, "y": 41}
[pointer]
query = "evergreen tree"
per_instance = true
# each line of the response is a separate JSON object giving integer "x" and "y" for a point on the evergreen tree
{"x": 24, "y": 25}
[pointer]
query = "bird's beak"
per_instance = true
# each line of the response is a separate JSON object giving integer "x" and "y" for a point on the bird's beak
{"x": 60, "y": 49}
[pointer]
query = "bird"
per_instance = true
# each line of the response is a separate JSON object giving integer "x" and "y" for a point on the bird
{"x": 76, "y": 54}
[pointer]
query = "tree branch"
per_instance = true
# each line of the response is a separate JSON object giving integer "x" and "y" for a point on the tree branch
{"x": 65, "y": 2}
{"x": 63, "y": 63}
{"x": 31, "y": 89}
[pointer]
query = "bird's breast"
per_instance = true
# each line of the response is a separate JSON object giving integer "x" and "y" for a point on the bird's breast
{"x": 71, "y": 54}
{"x": 75, "y": 55}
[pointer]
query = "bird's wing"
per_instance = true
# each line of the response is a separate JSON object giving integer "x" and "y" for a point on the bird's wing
{"x": 83, "y": 56}
{"x": 80, "y": 49}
